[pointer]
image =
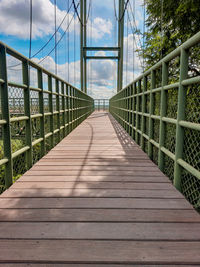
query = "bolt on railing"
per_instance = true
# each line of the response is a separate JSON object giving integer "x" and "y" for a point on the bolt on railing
{"x": 29, "y": 131}
{"x": 161, "y": 111}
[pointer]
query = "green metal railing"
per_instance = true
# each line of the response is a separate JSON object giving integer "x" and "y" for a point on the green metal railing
{"x": 161, "y": 111}
{"x": 101, "y": 104}
{"x": 30, "y": 130}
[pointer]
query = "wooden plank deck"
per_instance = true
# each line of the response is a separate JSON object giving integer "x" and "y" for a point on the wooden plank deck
{"x": 97, "y": 200}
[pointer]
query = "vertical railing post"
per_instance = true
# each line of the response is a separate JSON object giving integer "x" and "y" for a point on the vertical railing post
{"x": 151, "y": 108}
{"x": 51, "y": 110}
{"x": 138, "y": 86}
{"x": 180, "y": 116}
{"x": 6, "y": 116}
{"x": 41, "y": 110}
{"x": 67, "y": 107}
{"x": 144, "y": 88}
{"x": 163, "y": 110}
{"x": 27, "y": 112}
{"x": 63, "y": 108}
{"x": 58, "y": 107}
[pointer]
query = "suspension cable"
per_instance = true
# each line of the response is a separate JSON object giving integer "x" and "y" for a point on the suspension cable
{"x": 122, "y": 16}
{"x": 126, "y": 48}
{"x": 144, "y": 34}
{"x": 133, "y": 15}
{"x": 60, "y": 37}
{"x": 31, "y": 22}
{"x": 68, "y": 46}
{"x": 52, "y": 36}
{"x": 134, "y": 38}
{"x": 55, "y": 37}
{"x": 74, "y": 52}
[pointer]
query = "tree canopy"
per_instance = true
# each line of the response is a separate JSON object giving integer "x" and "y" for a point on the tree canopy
{"x": 169, "y": 24}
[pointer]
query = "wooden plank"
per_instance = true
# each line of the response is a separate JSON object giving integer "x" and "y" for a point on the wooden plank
{"x": 94, "y": 172}
{"x": 96, "y": 168}
{"x": 97, "y": 199}
{"x": 96, "y": 178}
{"x": 115, "y": 203}
{"x": 172, "y": 193}
{"x": 90, "y": 251}
{"x": 83, "y": 265}
{"x": 96, "y": 215}
{"x": 90, "y": 185}
{"x": 100, "y": 231}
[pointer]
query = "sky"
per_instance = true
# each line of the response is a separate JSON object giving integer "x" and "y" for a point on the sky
{"x": 101, "y": 31}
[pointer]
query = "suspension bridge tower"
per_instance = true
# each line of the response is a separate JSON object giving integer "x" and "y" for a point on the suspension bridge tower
{"x": 84, "y": 48}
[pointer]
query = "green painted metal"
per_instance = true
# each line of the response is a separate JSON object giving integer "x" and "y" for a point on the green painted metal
{"x": 81, "y": 45}
{"x": 163, "y": 110}
{"x": 102, "y": 57}
{"x": 120, "y": 45}
{"x": 169, "y": 154}
{"x": 85, "y": 44}
{"x": 151, "y": 108}
{"x": 100, "y": 48}
{"x": 51, "y": 110}
{"x": 6, "y": 116}
{"x": 72, "y": 106}
{"x": 27, "y": 112}
{"x": 180, "y": 116}
{"x": 41, "y": 110}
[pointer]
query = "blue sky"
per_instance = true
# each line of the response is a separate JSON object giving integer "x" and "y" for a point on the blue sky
{"x": 101, "y": 31}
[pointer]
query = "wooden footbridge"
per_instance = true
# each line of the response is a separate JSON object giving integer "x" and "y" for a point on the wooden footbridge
{"x": 96, "y": 198}
{"x": 100, "y": 188}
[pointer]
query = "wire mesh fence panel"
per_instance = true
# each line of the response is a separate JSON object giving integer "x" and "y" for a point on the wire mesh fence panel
{"x": 166, "y": 116}
{"x": 37, "y": 110}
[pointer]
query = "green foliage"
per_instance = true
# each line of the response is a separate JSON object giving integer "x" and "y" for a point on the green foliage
{"x": 170, "y": 23}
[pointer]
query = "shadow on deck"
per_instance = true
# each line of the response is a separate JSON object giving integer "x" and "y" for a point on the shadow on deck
{"x": 96, "y": 198}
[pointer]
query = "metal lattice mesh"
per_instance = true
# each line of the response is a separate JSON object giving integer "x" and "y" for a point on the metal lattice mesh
{"x": 55, "y": 122}
{"x": 191, "y": 188}
{"x": 158, "y": 77}
{"x": 172, "y": 103}
{"x": 16, "y": 101}
{"x": 48, "y": 144}
{"x": 146, "y": 123}
{"x": 35, "y": 128}
{"x": 145, "y": 145}
{"x": 2, "y": 178}
{"x": 47, "y": 124}
{"x": 170, "y": 137}
{"x": 156, "y": 110}
{"x": 140, "y": 103}
{"x": 19, "y": 166}
{"x": 54, "y": 102}
{"x": 193, "y": 104}
{"x": 34, "y": 101}
{"x": 46, "y": 102}
{"x": 174, "y": 70}
{"x": 17, "y": 135}
{"x": 56, "y": 138}
{"x": 155, "y": 155}
{"x": 36, "y": 152}
{"x": 147, "y": 103}
{"x": 1, "y": 143}
{"x": 169, "y": 167}
{"x": 191, "y": 151}
{"x": 156, "y": 127}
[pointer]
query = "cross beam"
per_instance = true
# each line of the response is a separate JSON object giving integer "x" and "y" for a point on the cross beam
{"x": 84, "y": 48}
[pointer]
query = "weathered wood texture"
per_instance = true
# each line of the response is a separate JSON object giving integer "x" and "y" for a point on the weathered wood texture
{"x": 96, "y": 199}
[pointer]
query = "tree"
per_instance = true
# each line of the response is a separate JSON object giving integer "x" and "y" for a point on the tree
{"x": 170, "y": 23}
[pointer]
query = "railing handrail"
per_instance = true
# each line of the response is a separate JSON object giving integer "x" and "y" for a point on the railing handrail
{"x": 67, "y": 108}
{"x": 145, "y": 103}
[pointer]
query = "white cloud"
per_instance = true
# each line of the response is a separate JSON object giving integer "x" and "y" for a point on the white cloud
{"x": 15, "y": 14}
